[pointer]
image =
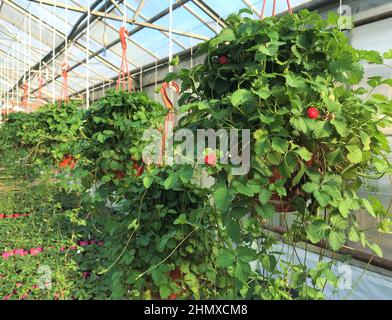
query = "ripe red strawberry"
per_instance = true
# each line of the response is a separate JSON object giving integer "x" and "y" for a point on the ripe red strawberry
{"x": 223, "y": 60}
{"x": 210, "y": 160}
{"x": 313, "y": 113}
{"x": 2, "y": 215}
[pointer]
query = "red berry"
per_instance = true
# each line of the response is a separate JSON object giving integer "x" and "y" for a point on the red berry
{"x": 313, "y": 113}
{"x": 222, "y": 60}
{"x": 210, "y": 159}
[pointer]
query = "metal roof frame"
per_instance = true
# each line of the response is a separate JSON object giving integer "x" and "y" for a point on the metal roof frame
{"x": 105, "y": 14}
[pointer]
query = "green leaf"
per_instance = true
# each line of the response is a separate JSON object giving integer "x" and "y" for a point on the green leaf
{"x": 242, "y": 271}
{"x": 388, "y": 55}
{"x": 269, "y": 263}
{"x": 265, "y": 196}
{"x": 264, "y": 93}
{"x": 304, "y": 153}
{"x": 345, "y": 206}
{"x": 353, "y": 235}
{"x": 234, "y": 231}
{"x": 225, "y": 259}
{"x": 336, "y": 239}
{"x": 355, "y": 154}
{"x": 340, "y": 127}
{"x": 266, "y": 212}
{"x": 294, "y": 81}
{"x": 175, "y": 61}
{"x": 180, "y": 220}
{"x": 310, "y": 187}
{"x": 242, "y": 189}
{"x": 226, "y": 35}
{"x": 241, "y": 97}
{"x": 370, "y": 56}
{"x": 365, "y": 140}
{"x": 376, "y": 249}
{"x": 339, "y": 222}
{"x": 279, "y": 145}
{"x": 368, "y": 207}
{"x": 316, "y": 230}
{"x": 147, "y": 181}
{"x": 170, "y": 181}
{"x": 322, "y": 198}
{"x": 165, "y": 291}
{"x": 223, "y": 198}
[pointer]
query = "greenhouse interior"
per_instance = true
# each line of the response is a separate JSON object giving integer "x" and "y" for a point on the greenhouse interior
{"x": 195, "y": 150}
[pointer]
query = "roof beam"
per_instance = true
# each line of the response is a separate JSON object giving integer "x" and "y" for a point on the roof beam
{"x": 211, "y": 13}
{"x": 60, "y": 48}
{"x": 118, "y": 18}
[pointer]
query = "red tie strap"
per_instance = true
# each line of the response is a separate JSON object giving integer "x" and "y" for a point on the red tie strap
{"x": 40, "y": 83}
{"x": 64, "y": 90}
{"x": 169, "y": 120}
{"x": 124, "y": 71}
{"x": 25, "y": 88}
{"x": 274, "y": 8}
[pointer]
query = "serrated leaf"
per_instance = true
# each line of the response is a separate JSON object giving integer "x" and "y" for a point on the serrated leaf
{"x": 279, "y": 145}
{"x": 269, "y": 263}
{"x": 165, "y": 291}
{"x": 339, "y": 222}
{"x": 340, "y": 127}
{"x": 241, "y": 97}
{"x": 265, "y": 196}
{"x": 310, "y": 187}
{"x": 266, "y": 212}
{"x": 376, "y": 249}
{"x": 225, "y": 259}
{"x": 226, "y": 35}
{"x": 294, "y": 81}
{"x": 223, "y": 198}
{"x": 316, "y": 230}
{"x": 242, "y": 189}
{"x": 234, "y": 231}
{"x": 353, "y": 235}
{"x": 336, "y": 239}
{"x": 304, "y": 153}
{"x": 322, "y": 198}
{"x": 369, "y": 207}
{"x": 354, "y": 154}
{"x": 180, "y": 220}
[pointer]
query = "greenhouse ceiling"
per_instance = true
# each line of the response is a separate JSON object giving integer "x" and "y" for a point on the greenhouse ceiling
{"x": 38, "y": 36}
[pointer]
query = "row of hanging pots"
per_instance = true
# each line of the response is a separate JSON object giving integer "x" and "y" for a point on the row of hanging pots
{"x": 36, "y": 251}
{"x": 13, "y": 215}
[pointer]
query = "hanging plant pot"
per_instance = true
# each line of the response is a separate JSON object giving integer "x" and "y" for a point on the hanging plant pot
{"x": 283, "y": 204}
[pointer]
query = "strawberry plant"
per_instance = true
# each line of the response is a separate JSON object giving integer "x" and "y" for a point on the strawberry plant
{"x": 44, "y": 137}
{"x": 293, "y": 81}
{"x": 114, "y": 126}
